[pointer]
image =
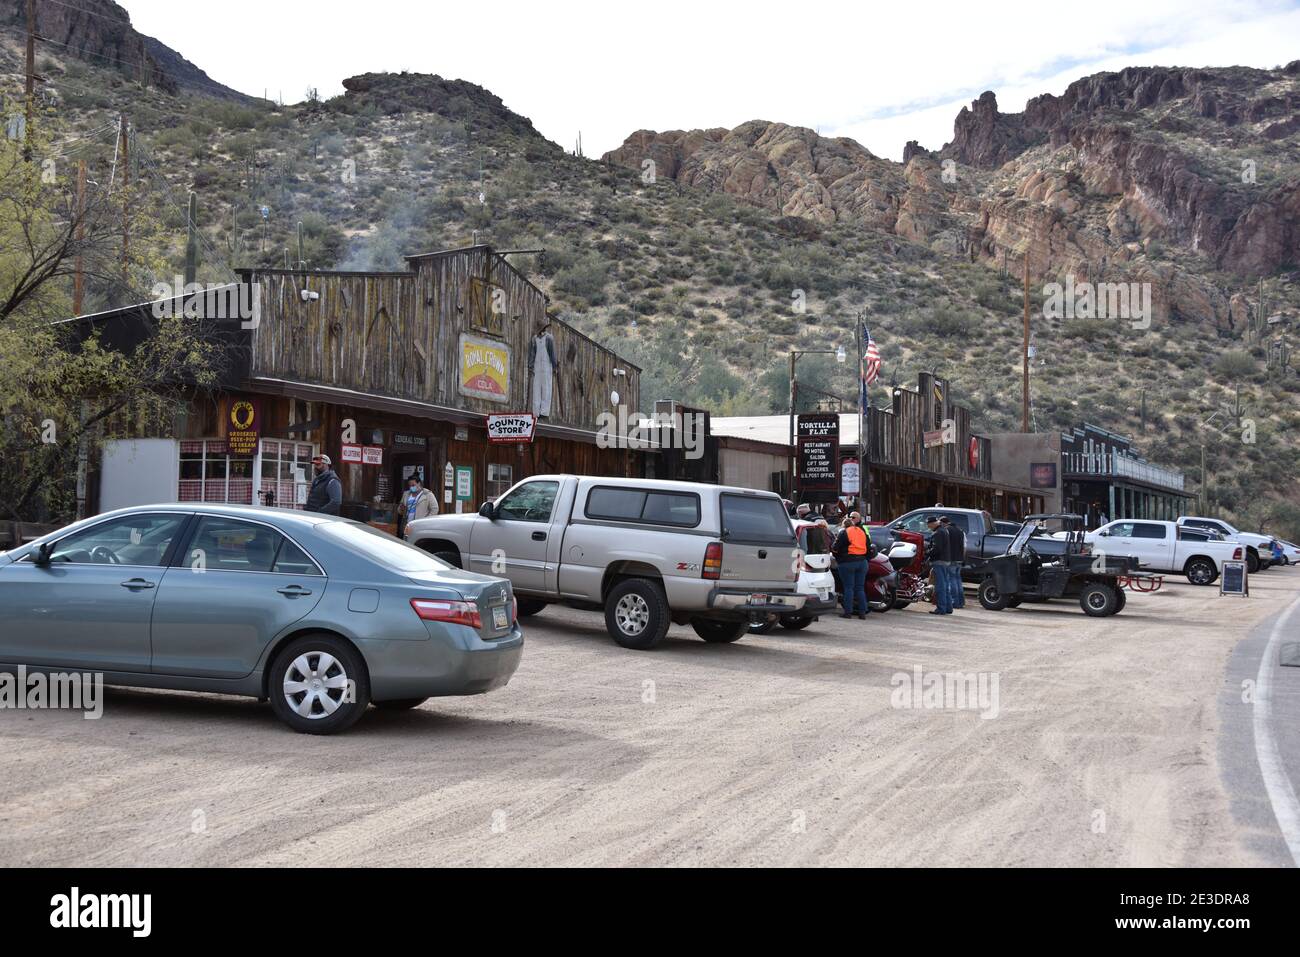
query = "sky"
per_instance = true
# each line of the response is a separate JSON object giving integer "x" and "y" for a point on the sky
{"x": 882, "y": 74}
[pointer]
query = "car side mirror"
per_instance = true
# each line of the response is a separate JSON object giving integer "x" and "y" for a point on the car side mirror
{"x": 487, "y": 510}
{"x": 43, "y": 553}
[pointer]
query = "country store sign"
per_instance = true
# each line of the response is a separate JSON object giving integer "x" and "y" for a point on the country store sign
{"x": 484, "y": 368}
{"x": 515, "y": 427}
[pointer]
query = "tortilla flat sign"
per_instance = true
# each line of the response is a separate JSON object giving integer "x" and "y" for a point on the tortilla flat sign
{"x": 511, "y": 427}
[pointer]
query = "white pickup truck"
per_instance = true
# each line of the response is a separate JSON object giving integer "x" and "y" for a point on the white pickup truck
{"x": 1259, "y": 548}
{"x": 1167, "y": 547}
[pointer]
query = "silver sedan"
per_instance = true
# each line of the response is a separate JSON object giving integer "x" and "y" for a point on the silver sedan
{"x": 320, "y": 615}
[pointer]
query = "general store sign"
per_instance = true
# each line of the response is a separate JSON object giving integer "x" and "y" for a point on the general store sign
{"x": 484, "y": 368}
{"x": 242, "y": 426}
{"x": 512, "y": 427}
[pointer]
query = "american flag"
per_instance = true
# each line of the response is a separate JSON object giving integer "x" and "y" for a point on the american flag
{"x": 869, "y": 367}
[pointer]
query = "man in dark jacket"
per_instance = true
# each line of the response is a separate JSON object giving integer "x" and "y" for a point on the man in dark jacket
{"x": 937, "y": 550}
{"x": 326, "y": 493}
{"x": 956, "y": 555}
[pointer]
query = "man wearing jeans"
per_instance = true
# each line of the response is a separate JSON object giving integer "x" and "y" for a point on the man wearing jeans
{"x": 937, "y": 550}
{"x": 956, "y": 555}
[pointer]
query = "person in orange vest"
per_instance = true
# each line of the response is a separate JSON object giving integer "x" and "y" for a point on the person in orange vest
{"x": 850, "y": 551}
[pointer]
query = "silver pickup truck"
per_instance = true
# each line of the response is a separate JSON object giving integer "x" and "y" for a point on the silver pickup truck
{"x": 648, "y": 552}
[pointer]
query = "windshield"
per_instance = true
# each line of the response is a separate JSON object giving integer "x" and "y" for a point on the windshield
{"x": 381, "y": 547}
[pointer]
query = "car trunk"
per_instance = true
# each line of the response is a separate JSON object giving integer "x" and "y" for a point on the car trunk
{"x": 493, "y": 597}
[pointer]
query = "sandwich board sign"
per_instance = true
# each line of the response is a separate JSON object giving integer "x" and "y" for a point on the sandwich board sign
{"x": 1234, "y": 580}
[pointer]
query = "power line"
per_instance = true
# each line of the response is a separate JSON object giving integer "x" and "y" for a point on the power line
{"x": 152, "y": 168}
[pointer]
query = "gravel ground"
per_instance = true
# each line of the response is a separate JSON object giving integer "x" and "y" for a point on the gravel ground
{"x": 1095, "y": 742}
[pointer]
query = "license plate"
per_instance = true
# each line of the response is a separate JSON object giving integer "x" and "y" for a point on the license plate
{"x": 758, "y": 599}
{"x": 823, "y": 594}
{"x": 500, "y": 617}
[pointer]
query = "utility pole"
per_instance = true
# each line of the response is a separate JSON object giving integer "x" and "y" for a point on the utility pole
{"x": 1204, "y": 496}
{"x": 192, "y": 240}
{"x": 1024, "y": 355}
{"x": 79, "y": 236}
{"x": 29, "y": 85}
{"x": 793, "y": 454}
{"x": 125, "y": 150}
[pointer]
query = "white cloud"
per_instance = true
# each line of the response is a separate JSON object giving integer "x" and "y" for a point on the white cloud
{"x": 882, "y": 76}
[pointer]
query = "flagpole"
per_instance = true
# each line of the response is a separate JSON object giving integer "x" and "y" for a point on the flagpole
{"x": 864, "y": 469}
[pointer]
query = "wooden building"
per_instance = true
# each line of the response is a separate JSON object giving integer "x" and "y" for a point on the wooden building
{"x": 390, "y": 374}
{"x": 921, "y": 449}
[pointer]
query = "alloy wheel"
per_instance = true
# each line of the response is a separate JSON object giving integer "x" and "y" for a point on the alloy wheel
{"x": 632, "y": 614}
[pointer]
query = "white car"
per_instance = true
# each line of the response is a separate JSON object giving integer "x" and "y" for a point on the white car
{"x": 1290, "y": 552}
{"x": 1167, "y": 547}
{"x": 1259, "y": 548}
{"x": 816, "y": 582}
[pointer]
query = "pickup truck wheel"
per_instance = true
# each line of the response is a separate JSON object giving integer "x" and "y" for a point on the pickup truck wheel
{"x": 761, "y": 627}
{"x": 636, "y": 613}
{"x": 990, "y": 597}
{"x": 530, "y": 606}
{"x": 1201, "y": 571}
{"x": 1121, "y": 599}
{"x": 719, "y": 632}
{"x": 1252, "y": 561}
{"x": 1099, "y": 599}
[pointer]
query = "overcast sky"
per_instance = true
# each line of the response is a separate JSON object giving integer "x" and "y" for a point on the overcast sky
{"x": 880, "y": 74}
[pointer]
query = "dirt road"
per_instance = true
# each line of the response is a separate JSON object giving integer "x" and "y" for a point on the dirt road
{"x": 1083, "y": 742}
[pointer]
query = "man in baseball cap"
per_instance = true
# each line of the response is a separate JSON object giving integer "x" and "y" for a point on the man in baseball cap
{"x": 936, "y": 551}
{"x": 326, "y": 493}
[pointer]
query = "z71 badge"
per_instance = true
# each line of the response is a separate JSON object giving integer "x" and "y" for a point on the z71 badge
{"x": 688, "y": 566}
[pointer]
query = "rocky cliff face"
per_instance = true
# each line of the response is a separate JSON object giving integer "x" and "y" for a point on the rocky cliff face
{"x": 1160, "y": 173}
{"x": 456, "y": 100}
{"x": 100, "y": 32}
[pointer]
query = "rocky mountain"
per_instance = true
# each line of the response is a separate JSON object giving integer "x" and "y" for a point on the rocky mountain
{"x": 705, "y": 256}
{"x": 1160, "y": 175}
{"x": 100, "y": 32}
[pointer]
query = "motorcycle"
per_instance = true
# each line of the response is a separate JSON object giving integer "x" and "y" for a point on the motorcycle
{"x": 907, "y": 556}
{"x": 882, "y": 583}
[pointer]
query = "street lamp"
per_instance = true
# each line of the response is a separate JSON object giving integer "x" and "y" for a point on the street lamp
{"x": 795, "y": 354}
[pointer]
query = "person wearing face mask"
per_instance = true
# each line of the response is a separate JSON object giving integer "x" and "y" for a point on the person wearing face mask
{"x": 326, "y": 495}
{"x": 417, "y": 502}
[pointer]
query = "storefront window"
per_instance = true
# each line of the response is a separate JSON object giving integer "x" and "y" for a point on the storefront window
{"x": 499, "y": 479}
{"x": 209, "y": 473}
{"x": 286, "y": 473}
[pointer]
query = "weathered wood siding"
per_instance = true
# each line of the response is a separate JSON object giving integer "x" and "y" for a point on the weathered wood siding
{"x": 897, "y": 435}
{"x": 398, "y": 334}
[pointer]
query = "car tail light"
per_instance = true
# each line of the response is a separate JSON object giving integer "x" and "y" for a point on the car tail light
{"x": 451, "y": 612}
{"x": 1236, "y": 555}
{"x": 713, "y": 560}
{"x": 514, "y": 609}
